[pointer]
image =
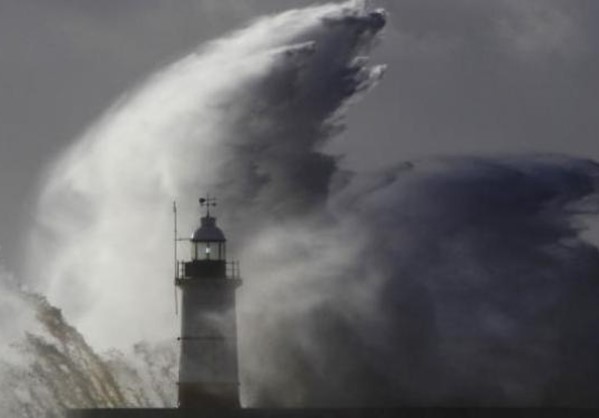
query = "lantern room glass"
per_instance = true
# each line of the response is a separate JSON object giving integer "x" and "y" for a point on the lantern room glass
{"x": 207, "y": 250}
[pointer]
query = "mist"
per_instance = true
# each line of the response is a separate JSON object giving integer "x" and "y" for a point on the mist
{"x": 240, "y": 112}
{"x": 461, "y": 281}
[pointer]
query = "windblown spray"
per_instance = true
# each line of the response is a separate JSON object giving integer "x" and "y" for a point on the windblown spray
{"x": 244, "y": 115}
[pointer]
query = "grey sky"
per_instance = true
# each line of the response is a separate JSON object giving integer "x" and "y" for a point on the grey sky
{"x": 469, "y": 76}
{"x": 465, "y": 76}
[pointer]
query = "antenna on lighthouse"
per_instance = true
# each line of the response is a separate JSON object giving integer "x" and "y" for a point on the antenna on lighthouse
{"x": 176, "y": 263}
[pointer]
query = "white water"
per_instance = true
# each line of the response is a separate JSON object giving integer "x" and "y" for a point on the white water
{"x": 241, "y": 117}
{"x": 105, "y": 220}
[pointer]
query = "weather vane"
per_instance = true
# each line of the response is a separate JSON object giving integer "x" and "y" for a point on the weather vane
{"x": 207, "y": 202}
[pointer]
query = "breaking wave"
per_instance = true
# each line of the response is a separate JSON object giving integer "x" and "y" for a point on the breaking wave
{"x": 441, "y": 282}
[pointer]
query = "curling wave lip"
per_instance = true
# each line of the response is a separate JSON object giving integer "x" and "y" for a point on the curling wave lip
{"x": 378, "y": 19}
{"x": 373, "y": 21}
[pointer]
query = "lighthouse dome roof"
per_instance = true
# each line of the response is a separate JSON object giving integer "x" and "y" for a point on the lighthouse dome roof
{"x": 208, "y": 231}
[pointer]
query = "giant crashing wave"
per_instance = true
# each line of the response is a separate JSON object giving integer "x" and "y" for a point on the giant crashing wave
{"x": 441, "y": 282}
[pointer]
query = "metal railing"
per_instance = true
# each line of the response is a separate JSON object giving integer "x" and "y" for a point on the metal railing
{"x": 233, "y": 270}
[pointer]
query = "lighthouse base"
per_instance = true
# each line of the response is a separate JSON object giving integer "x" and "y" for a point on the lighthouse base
{"x": 215, "y": 395}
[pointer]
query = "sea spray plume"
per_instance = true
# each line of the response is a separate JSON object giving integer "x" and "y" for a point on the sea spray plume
{"x": 147, "y": 373}
{"x": 175, "y": 137}
{"x": 51, "y": 368}
{"x": 64, "y": 370}
{"x": 451, "y": 282}
{"x": 242, "y": 116}
{"x": 469, "y": 286}
{"x": 17, "y": 323}
{"x": 45, "y": 364}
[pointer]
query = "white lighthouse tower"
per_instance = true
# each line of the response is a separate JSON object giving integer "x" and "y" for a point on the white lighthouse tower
{"x": 208, "y": 372}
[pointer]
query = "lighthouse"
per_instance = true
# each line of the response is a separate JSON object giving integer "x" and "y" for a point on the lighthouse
{"x": 208, "y": 371}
